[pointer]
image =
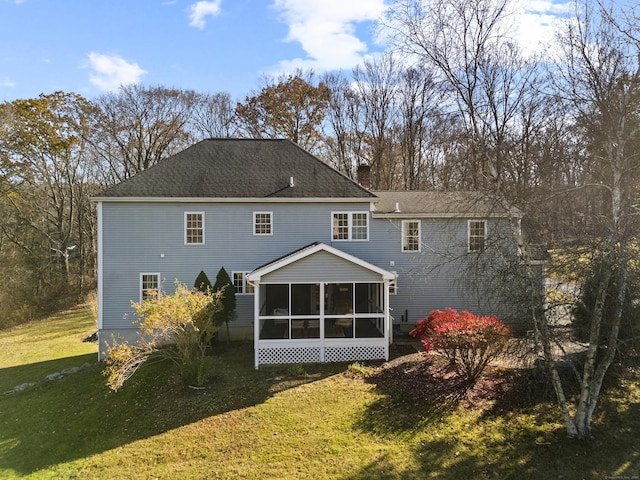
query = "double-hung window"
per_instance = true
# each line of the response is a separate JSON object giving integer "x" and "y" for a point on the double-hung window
{"x": 149, "y": 286}
{"x": 477, "y": 235}
{"x": 240, "y": 283}
{"x": 411, "y": 235}
{"x": 262, "y": 223}
{"x": 194, "y": 228}
{"x": 350, "y": 226}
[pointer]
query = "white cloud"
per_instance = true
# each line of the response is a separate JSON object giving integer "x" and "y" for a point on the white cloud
{"x": 7, "y": 82}
{"x": 538, "y": 22}
{"x": 112, "y": 71}
{"x": 198, "y": 11}
{"x": 326, "y": 31}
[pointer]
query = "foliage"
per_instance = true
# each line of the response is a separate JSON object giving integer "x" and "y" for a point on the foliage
{"x": 293, "y": 108}
{"x": 178, "y": 327}
{"x": 202, "y": 282}
{"x": 468, "y": 341}
{"x": 224, "y": 285}
{"x": 46, "y": 241}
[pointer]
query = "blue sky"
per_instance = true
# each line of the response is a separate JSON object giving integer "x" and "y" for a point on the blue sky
{"x": 90, "y": 47}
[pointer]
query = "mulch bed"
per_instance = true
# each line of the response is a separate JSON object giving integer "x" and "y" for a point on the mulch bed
{"x": 430, "y": 379}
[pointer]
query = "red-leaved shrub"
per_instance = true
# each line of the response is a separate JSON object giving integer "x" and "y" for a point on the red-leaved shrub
{"x": 468, "y": 341}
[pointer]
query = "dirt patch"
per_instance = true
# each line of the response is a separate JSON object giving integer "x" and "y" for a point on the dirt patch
{"x": 430, "y": 379}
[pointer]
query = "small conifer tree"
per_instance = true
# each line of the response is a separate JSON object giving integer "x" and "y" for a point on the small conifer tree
{"x": 202, "y": 282}
{"x": 225, "y": 285}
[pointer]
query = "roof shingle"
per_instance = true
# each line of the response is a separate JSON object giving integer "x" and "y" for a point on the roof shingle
{"x": 239, "y": 168}
{"x": 439, "y": 204}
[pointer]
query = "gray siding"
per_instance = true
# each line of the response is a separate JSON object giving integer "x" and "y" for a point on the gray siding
{"x": 136, "y": 235}
{"x": 325, "y": 267}
{"x": 443, "y": 274}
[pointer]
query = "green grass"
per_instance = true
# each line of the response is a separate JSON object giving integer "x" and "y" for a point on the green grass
{"x": 30, "y": 352}
{"x": 314, "y": 421}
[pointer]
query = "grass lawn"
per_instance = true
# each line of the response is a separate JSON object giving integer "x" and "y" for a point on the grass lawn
{"x": 30, "y": 352}
{"x": 315, "y": 422}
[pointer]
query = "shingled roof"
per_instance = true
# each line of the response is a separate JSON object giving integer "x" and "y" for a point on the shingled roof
{"x": 239, "y": 168}
{"x": 435, "y": 204}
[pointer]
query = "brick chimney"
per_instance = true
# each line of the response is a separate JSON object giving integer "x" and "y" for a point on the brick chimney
{"x": 364, "y": 175}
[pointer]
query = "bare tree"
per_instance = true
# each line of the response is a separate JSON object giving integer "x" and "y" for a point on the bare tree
{"x": 479, "y": 68}
{"x": 139, "y": 126}
{"x": 418, "y": 112}
{"x": 343, "y": 142}
{"x": 376, "y": 85}
{"x": 597, "y": 82}
{"x": 213, "y": 116}
{"x": 598, "y": 76}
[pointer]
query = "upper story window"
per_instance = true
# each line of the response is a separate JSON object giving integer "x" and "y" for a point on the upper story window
{"x": 149, "y": 286}
{"x": 477, "y": 235}
{"x": 350, "y": 226}
{"x": 240, "y": 283}
{"x": 194, "y": 228}
{"x": 262, "y": 223}
{"x": 411, "y": 236}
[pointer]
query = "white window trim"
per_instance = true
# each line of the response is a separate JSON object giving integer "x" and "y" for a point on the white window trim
{"x": 402, "y": 232}
{"x": 185, "y": 228}
{"x": 142, "y": 274}
{"x": 244, "y": 282}
{"x": 350, "y": 226}
{"x": 476, "y": 220}
{"x": 255, "y": 218}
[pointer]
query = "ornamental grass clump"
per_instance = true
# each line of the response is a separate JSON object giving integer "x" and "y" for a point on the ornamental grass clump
{"x": 470, "y": 342}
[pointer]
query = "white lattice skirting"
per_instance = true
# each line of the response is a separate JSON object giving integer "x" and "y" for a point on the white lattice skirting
{"x": 276, "y": 355}
{"x": 347, "y": 354}
{"x": 289, "y": 355}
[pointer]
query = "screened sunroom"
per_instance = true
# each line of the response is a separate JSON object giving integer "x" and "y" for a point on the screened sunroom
{"x": 320, "y": 304}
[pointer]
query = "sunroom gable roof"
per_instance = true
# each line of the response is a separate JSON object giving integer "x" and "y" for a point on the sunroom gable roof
{"x": 256, "y": 275}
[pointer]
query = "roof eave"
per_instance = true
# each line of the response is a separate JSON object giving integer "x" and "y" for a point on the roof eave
{"x": 97, "y": 199}
{"x": 404, "y": 215}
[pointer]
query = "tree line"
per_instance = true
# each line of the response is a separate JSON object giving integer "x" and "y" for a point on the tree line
{"x": 453, "y": 104}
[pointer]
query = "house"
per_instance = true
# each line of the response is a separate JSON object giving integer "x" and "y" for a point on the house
{"x": 324, "y": 269}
